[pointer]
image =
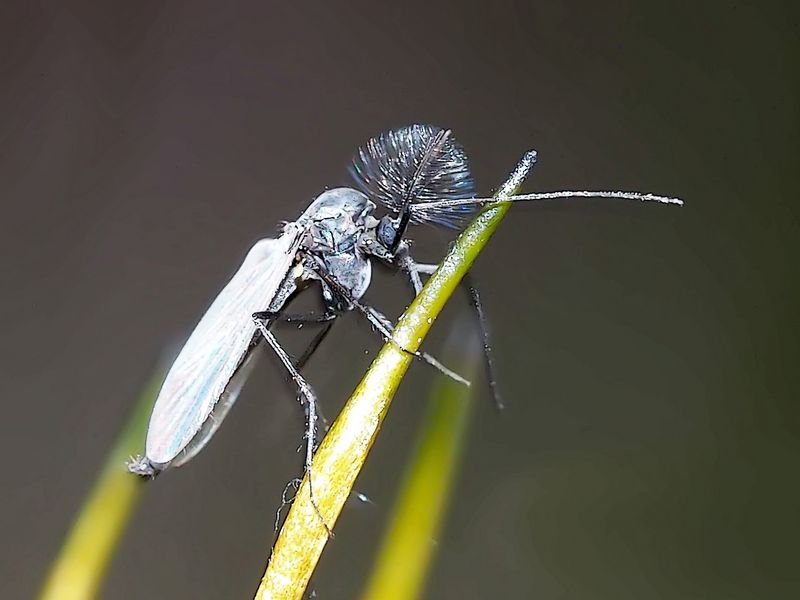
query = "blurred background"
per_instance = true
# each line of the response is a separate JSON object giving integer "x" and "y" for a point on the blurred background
{"x": 648, "y": 354}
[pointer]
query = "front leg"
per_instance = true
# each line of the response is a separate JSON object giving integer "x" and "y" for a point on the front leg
{"x": 379, "y": 321}
{"x": 406, "y": 263}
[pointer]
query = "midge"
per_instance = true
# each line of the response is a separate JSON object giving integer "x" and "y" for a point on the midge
{"x": 421, "y": 176}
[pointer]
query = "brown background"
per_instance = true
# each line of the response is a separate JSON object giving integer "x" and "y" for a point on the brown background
{"x": 649, "y": 354}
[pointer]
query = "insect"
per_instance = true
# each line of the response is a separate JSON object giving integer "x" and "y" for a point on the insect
{"x": 421, "y": 175}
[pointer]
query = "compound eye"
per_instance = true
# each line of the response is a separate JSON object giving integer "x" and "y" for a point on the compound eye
{"x": 387, "y": 232}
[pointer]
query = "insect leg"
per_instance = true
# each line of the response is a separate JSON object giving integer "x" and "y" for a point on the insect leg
{"x": 404, "y": 262}
{"x": 269, "y": 315}
{"x": 380, "y": 322}
{"x": 483, "y": 325}
{"x": 326, "y": 319}
{"x": 312, "y": 347}
{"x": 306, "y": 356}
{"x": 299, "y": 364}
{"x": 311, "y": 400}
{"x": 414, "y": 269}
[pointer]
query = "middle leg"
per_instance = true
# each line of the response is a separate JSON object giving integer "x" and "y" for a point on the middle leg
{"x": 413, "y": 269}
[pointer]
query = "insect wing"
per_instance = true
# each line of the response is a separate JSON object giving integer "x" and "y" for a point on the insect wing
{"x": 418, "y": 163}
{"x": 218, "y": 412}
{"x": 202, "y": 372}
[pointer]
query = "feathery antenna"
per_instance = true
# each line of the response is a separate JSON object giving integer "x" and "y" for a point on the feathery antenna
{"x": 413, "y": 166}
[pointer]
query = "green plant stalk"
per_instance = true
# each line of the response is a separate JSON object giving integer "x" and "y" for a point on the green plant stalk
{"x": 408, "y": 546}
{"x": 84, "y": 557}
{"x": 344, "y": 449}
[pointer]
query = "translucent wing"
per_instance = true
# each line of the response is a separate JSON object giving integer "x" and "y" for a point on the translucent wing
{"x": 418, "y": 163}
{"x": 182, "y": 419}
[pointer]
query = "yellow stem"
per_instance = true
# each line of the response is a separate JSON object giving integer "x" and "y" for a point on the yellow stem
{"x": 408, "y": 546}
{"x": 84, "y": 557}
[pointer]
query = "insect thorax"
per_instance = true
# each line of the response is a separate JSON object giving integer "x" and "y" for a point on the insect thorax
{"x": 335, "y": 222}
